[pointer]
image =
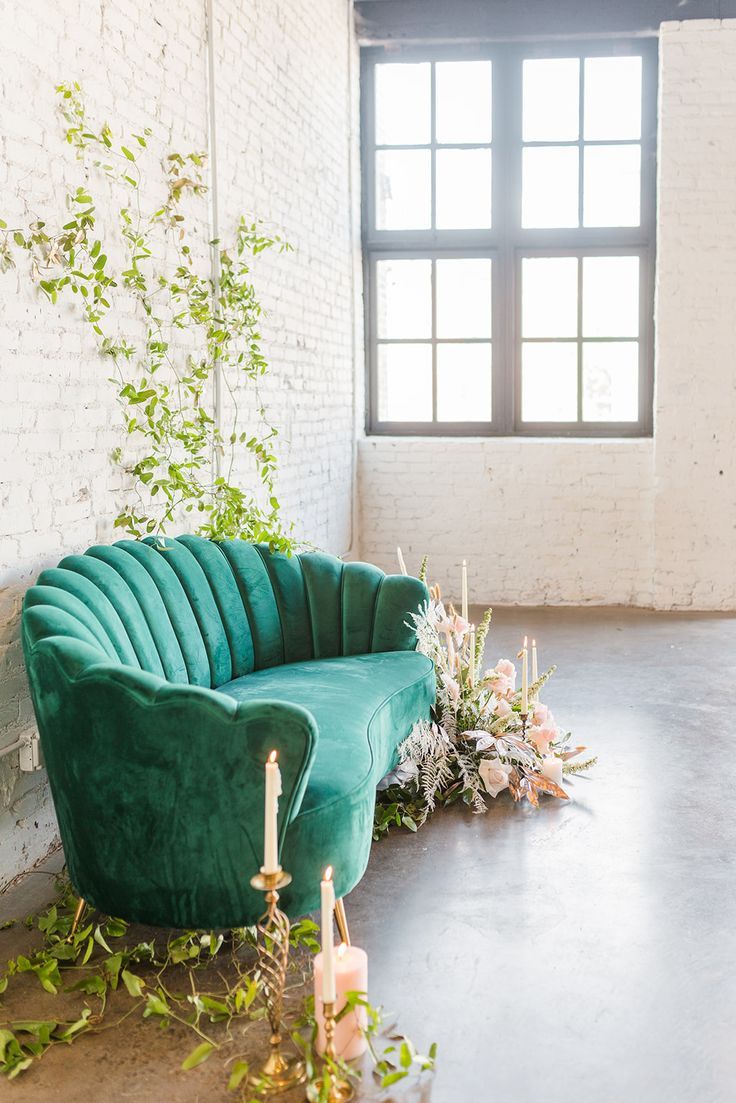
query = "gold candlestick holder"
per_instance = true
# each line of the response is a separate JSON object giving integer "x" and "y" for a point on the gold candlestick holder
{"x": 280, "y": 1071}
{"x": 524, "y": 722}
{"x": 339, "y": 1090}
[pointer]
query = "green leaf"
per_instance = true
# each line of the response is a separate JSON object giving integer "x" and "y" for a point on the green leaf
{"x": 198, "y": 1055}
{"x": 100, "y": 939}
{"x": 393, "y": 1078}
{"x": 133, "y": 983}
{"x": 156, "y": 1005}
{"x": 405, "y": 1055}
{"x": 128, "y": 154}
{"x": 6, "y": 1037}
{"x": 240, "y": 1071}
{"x": 67, "y": 1033}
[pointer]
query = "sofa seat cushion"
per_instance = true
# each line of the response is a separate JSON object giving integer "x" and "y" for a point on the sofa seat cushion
{"x": 364, "y": 706}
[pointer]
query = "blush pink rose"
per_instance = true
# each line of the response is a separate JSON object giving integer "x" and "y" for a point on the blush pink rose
{"x": 504, "y": 678}
{"x": 542, "y": 736}
{"x": 502, "y": 708}
{"x": 542, "y": 715}
{"x": 494, "y": 775}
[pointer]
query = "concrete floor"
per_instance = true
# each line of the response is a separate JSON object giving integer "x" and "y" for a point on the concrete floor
{"x": 583, "y": 952}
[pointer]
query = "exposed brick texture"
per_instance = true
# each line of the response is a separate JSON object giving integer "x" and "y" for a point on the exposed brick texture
{"x": 287, "y": 143}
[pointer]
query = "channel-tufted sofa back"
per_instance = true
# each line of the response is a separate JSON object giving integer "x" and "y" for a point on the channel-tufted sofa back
{"x": 194, "y": 611}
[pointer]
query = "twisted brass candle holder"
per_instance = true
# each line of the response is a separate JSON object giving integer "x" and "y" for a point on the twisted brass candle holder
{"x": 339, "y": 1090}
{"x": 280, "y": 1071}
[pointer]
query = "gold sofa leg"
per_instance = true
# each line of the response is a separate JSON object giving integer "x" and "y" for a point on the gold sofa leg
{"x": 77, "y": 916}
{"x": 342, "y": 921}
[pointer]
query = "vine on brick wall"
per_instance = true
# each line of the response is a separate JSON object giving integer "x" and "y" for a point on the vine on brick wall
{"x": 164, "y": 376}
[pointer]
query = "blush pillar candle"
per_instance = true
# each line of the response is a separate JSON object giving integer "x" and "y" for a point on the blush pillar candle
{"x": 270, "y": 826}
{"x": 350, "y": 965}
{"x": 552, "y": 768}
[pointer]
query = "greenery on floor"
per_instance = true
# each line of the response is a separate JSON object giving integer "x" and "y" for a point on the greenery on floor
{"x": 162, "y": 980}
{"x": 167, "y": 331}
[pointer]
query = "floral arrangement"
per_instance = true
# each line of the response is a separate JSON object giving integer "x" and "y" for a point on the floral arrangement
{"x": 478, "y": 743}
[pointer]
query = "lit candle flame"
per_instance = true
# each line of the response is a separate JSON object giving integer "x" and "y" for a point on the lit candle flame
{"x": 328, "y": 874}
{"x": 525, "y": 639}
{"x": 273, "y": 756}
{"x": 534, "y": 643}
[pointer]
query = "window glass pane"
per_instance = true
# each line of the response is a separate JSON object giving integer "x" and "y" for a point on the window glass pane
{"x": 610, "y": 296}
{"x": 403, "y": 94}
{"x": 463, "y": 298}
{"x": 610, "y": 381}
{"x": 405, "y": 382}
{"x": 463, "y": 104}
{"x": 612, "y": 97}
{"x": 549, "y": 382}
{"x": 403, "y": 190}
{"x": 550, "y": 187}
{"x": 404, "y": 298}
{"x": 464, "y": 382}
{"x": 551, "y": 111}
{"x": 463, "y": 189}
{"x": 549, "y": 297}
{"x": 611, "y": 186}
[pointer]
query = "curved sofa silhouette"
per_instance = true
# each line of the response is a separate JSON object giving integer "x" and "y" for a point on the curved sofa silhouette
{"x": 162, "y": 675}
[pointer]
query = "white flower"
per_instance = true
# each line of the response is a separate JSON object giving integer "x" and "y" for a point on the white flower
{"x": 494, "y": 775}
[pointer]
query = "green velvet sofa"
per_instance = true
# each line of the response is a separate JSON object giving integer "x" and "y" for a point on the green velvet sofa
{"x": 162, "y": 675}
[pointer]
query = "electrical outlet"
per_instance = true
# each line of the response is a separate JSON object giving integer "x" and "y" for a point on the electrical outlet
{"x": 29, "y": 754}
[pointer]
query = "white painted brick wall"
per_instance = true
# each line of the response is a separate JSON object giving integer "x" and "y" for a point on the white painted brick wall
{"x": 641, "y": 522}
{"x": 538, "y": 521}
{"x": 695, "y": 410}
{"x": 287, "y": 143}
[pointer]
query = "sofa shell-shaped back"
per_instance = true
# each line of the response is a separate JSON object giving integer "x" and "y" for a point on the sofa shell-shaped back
{"x": 163, "y": 672}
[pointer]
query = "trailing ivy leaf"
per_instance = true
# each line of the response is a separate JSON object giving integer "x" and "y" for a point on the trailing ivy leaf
{"x": 393, "y": 1077}
{"x": 156, "y": 1005}
{"x": 238, "y": 1074}
{"x": 198, "y": 1055}
{"x": 100, "y": 939}
{"x": 133, "y": 983}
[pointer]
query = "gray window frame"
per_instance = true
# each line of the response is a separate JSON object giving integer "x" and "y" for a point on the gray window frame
{"x": 506, "y": 243}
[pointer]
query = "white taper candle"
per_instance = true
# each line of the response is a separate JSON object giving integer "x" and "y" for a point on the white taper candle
{"x": 464, "y": 592}
{"x": 524, "y": 678}
{"x": 328, "y": 945}
{"x": 271, "y": 814}
{"x": 535, "y": 669}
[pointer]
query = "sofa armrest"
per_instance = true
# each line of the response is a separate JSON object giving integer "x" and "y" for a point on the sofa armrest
{"x": 156, "y": 785}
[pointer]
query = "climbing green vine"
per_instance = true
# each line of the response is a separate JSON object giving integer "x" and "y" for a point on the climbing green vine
{"x": 167, "y": 981}
{"x": 182, "y": 328}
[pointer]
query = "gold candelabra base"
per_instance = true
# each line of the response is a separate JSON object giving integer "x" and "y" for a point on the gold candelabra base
{"x": 338, "y": 1089}
{"x": 280, "y": 1071}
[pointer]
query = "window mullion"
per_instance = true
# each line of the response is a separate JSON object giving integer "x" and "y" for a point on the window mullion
{"x": 434, "y": 340}
{"x": 580, "y": 340}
